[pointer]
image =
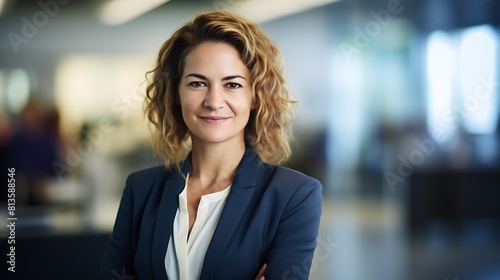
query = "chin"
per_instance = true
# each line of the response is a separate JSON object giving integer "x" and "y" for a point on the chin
{"x": 213, "y": 139}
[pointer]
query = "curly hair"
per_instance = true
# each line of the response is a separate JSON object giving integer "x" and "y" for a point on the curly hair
{"x": 268, "y": 129}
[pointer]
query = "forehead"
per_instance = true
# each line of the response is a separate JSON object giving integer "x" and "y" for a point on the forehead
{"x": 212, "y": 56}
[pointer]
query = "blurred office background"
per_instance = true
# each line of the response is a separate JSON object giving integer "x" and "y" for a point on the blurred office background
{"x": 398, "y": 117}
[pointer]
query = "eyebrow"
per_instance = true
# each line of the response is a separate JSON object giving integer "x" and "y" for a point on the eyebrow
{"x": 199, "y": 76}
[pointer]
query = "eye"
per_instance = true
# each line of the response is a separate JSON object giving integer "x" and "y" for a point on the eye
{"x": 196, "y": 84}
{"x": 233, "y": 85}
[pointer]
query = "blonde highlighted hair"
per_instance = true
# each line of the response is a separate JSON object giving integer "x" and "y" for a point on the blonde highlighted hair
{"x": 267, "y": 130}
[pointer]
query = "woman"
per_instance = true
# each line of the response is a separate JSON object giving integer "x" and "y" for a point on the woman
{"x": 219, "y": 208}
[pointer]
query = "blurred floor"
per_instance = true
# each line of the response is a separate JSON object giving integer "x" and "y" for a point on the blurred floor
{"x": 370, "y": 242}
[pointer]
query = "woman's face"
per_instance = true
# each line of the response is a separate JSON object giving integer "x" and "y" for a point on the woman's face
{"x": 215, "y": 93}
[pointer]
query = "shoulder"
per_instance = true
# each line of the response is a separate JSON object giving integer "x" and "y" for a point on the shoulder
{"x": 291, "y": 193}
{"x": 290, "y": 182}
{"x": 286, "y": 176}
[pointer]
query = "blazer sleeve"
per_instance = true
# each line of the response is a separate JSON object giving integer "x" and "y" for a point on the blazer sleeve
{"x": 292, "y": 249}
{"x": 118, "y": 259}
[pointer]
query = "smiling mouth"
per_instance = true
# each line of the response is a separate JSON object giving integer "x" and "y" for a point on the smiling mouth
{"x": 214, "y": 119}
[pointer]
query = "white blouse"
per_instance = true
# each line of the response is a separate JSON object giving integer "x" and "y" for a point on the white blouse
{"x": 184, "y": 257}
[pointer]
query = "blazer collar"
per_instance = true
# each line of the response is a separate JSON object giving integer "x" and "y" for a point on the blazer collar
{"x": 237, "y": 201}
{"x": 174, "y": 184}
{"x": 248, "y": 169}
{"x": 240, "y": 195}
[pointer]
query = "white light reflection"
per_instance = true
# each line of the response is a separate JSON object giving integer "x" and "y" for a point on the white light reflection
{"x": 479, "y": 104}
{"x": 439, "y": 91}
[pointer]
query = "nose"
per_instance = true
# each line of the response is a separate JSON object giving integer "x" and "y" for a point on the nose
{"x": 214, "y": 98}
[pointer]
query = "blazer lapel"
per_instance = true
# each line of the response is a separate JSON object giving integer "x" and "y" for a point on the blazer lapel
{"x": 241, "y": 192}
{"x": 165, "y": 219}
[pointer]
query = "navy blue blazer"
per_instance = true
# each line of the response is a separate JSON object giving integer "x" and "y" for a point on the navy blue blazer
{"x": 271, "y": 216}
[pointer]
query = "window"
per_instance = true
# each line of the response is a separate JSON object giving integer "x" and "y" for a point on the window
{"x": 478, "y": 79}
{"x": 462, "y": 87}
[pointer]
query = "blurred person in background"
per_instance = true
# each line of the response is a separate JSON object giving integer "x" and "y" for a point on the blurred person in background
{"x": 220, "y": 207}
{"x": 5, "y": 135}
{"x": 33, "y": 150}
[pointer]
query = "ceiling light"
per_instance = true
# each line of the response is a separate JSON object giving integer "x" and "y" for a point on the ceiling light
{"x": 115, "y": 12}
{"x": 265, "y": 10}
{"x": 2, "y": 6}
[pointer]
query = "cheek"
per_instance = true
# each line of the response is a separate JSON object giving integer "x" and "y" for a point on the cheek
{"x": 243, "y": 104}
{"x": 188, "y": 103}
{"x": 243, "y": 108}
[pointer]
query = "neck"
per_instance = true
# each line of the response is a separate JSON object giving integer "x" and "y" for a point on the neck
{"x": 215, "y": 162}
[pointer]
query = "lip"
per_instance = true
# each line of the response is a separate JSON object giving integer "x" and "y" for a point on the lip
{"x": 213, "y": 119}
